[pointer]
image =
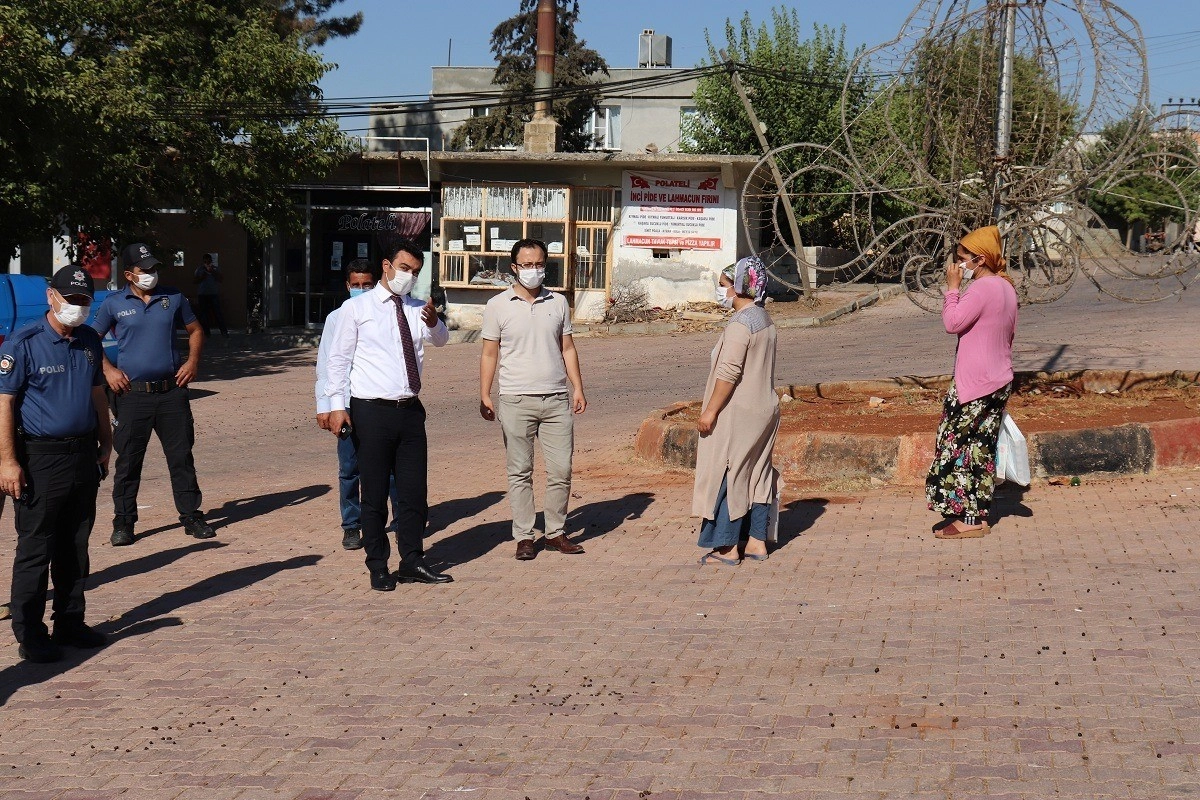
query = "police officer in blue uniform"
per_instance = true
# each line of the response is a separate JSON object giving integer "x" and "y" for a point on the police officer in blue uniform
{"x": 55, "y": 441}
{"x": 151, "y": 392}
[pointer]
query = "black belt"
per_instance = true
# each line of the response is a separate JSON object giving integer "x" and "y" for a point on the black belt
{"x": 153, "y": 387}
{"x": 48, "y": 445}
{"x": 382, "y": 401}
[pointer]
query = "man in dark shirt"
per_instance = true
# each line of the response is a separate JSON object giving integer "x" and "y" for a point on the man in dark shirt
{"x": 151, "y": 390}
{"x": 55, "y": 441}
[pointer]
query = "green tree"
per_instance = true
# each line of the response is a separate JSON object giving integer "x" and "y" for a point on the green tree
{"x": 514, "y": 44}
{"x": 948, "y": 118}
{"x": 1160, "y": 175}
{"x": 113, "y": 110}
{"x": 795, "y": 85}
{"x": 311, "y": 19}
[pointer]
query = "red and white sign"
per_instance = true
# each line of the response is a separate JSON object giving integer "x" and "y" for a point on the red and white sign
{"x": 673, "y": 210}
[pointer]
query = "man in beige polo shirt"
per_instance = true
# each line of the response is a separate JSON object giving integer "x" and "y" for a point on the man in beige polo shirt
{"x": 527, "y": 333}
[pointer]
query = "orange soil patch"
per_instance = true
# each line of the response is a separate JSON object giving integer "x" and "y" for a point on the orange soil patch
{"x": 1049, "y": 407}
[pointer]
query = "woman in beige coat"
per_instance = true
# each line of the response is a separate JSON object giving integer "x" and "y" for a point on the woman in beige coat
{"x": 735, "y": 480}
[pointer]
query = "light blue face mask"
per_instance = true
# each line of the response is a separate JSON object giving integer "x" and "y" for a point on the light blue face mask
{"x": 356, "y": 292}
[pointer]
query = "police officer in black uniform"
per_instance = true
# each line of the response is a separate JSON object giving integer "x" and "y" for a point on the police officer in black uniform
{"x": 151, "y": 390}
{"x": 55, "y": 441}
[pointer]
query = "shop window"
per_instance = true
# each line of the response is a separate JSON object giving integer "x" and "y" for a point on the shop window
{"x": 480, "y": 225}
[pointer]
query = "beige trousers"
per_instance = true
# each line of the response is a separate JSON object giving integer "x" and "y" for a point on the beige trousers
{"x": 548, "y": 418}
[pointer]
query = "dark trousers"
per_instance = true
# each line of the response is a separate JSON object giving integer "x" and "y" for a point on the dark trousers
{"x": 53, "y": 522}
{"x": 391, "y": 441}
{"x": 208, "y": 310}
{"x": 349, "y": 495}
{"x": 169, "y": 414}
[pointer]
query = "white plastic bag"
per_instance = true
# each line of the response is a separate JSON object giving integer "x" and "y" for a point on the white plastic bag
{"x": 773, "y": 520}
{"x": 1012, "y": 453}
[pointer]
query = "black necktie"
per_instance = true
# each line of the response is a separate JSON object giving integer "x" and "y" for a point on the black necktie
{"x": 410, "y": 352}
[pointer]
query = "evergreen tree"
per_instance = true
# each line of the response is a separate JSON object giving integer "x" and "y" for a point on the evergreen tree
{"x": 310, "y": 19}
{"x": 514, "y": 44}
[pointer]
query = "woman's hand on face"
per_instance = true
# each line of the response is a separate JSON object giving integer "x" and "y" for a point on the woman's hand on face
{"x": 708, "y": 421}
{"x": 954, "y": 275}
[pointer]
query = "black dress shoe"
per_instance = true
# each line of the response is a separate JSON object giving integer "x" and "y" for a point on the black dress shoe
{"x": 383, "y": 581}
{"x": 78, "y": 635}
{"x": 40, "y": 651}
{"x": 351, "y": 539}
{"x": 122, "y": 535}
{"x": 421, "y": 574}
{"x": 196, "y": 526}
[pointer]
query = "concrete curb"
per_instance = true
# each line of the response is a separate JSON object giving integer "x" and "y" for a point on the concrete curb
{"x": 1137, "y": 447}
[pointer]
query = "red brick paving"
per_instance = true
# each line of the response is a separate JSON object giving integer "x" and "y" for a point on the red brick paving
{"x": 864, "y": 659}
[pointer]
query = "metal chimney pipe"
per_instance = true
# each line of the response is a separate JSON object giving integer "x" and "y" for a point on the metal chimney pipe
{"x": 547, "y": 24}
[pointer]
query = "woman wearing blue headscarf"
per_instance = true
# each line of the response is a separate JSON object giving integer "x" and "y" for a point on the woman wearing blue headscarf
{"x": 735, "y": 479}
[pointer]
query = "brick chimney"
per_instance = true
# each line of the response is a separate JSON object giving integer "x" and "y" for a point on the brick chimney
{"x": 541, "y": 132}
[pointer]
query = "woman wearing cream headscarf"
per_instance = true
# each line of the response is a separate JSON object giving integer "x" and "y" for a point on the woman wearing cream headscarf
{"x": 984, "y": 317}
{"x": 735, "y": 479}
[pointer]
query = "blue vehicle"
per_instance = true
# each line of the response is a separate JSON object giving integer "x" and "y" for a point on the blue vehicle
{"x": 23, "y": 300}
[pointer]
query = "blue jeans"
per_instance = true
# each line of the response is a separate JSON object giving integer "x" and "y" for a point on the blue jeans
{"x": 724, "y": 532}
{"x": 348, "y": 497}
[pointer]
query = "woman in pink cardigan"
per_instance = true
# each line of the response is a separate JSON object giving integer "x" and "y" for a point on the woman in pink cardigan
{"x": 984, "y": 317}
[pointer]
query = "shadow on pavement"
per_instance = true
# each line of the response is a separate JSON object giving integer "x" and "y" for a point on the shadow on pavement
{"x": 469, "y": 545}
{"x": 797, "y": 517}
{"x": 148, "y": 563}
{"x": 442, "y": 515}
{"x": 228, "y": 365}
{"x": 250, "y": 508}
{"x": 593, "y": 520}
{"x": 1009, "y": 501}
{"x": 148, "y": 617}
{"x": 605, "y": 516}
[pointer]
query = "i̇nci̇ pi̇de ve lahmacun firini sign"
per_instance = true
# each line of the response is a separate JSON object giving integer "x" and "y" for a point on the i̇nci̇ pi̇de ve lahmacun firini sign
{"x": 671, "y": 210}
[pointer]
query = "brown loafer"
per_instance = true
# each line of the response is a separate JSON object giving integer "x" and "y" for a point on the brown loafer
{"x": 526, "y": 550}
{"x": 562, "y": 544}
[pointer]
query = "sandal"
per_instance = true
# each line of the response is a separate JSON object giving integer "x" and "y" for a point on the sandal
{"x": 729, "y": 562}
{"x": 756, "y": 556}
{"x": 952, "y": 531}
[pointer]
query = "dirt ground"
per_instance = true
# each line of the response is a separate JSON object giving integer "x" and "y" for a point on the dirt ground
{"x": 1046, "y": 408}
{"x": 784, "y": 307}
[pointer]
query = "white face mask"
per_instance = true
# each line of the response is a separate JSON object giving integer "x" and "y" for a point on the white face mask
{"x": 71, "y": 316}
{"x": 968, "y": 273}
{"x": 401, "y": 283}
{"x": 531, "y": 278}
{"x": 146, "y": 280}
{"x": 724, "y": 297}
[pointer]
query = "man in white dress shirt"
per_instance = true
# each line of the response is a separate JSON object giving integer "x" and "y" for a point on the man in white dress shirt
{"x": 360, "y": 277}
{"x": 376, "y": 352}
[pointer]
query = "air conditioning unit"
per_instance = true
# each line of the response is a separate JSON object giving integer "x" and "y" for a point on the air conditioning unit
{"x": 654, "y": 50}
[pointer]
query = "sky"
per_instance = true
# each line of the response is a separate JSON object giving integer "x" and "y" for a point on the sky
{"x": 399, "y": 43}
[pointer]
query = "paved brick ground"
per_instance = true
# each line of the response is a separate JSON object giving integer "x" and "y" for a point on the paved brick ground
{"x": 864, "y": 659}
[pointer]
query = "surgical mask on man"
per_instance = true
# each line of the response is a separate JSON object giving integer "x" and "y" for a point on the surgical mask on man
{"x": 355, "y": 291}
{"x": 146, "y": 280}
{"x": 401, "y": 283}
{"x": 70, "y": 315}
{"x": 724, "y": 297}
{"x": 531, "y": 278}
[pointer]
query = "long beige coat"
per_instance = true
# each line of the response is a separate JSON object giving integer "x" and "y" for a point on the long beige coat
{"x": 744, "y": 437}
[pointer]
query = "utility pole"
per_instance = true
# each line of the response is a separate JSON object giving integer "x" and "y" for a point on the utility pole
{"x": 793, "y": 225}
{"x": 1004, "y": 111}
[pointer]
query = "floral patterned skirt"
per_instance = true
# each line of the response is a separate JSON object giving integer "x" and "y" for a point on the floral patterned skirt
{"x": 963, "y": 475}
